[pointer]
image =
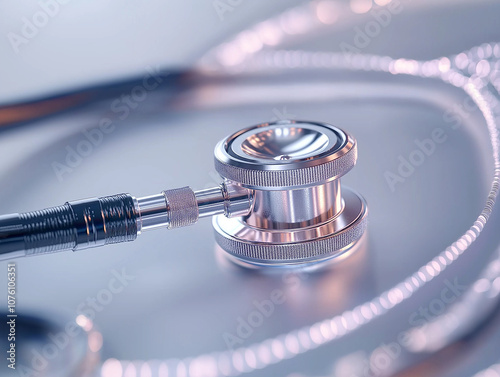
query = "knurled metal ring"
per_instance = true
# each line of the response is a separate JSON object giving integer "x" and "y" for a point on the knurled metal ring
{"x": 256, "y": 245}
{"x": 285, "y": 154}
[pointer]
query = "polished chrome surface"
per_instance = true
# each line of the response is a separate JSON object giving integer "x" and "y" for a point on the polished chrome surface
{"x": 294, "y": 246}
{"x": 152, "y": 212}
{"x": 309, "y": 157}
{"x": 298, "y": 212}
{"x": 172, "y": 208}
{"x": 297, "y": 208}
{"x": 227, "y": 198}
{"x": 284, "y": 143}
{"x": 210, "y": 201}
{"x": 183, "y": 206}
{"x": 284, "y": 154}
{"x": 238, "y": 201}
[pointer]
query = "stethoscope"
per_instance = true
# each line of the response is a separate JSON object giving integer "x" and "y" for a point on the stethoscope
{"x": 234, "y": 204}
{"x": 223, "y": 201}
{"x": 280, "y": 203}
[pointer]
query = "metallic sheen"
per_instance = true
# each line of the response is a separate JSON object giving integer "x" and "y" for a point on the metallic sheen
{"x": 75, "y": 225}
{"x": 182, "y": 207}
{"x": 300, "y": 214}
{"x": 292, "y": 153}
{"x": 294, "y": 246}
{"x": 280, "y": 202}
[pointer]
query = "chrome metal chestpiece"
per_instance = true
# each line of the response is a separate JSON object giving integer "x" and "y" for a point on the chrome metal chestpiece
{"x": 299, "y": 211}
{"x": 280, "y": 203}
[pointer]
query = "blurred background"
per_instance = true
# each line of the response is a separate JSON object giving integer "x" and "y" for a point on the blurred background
{"x": 170, "y": 79}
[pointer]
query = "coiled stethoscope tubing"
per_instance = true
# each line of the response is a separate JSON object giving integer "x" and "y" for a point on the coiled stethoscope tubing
{"x": 296, "y": 342}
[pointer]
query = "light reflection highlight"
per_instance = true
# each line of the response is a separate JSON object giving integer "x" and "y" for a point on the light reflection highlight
{"x": 467, "y": 71}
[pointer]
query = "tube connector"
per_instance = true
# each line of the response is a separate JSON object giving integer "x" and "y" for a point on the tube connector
{"x": 111, "y": 219}
{"x": 75, "y": 225}
{"x": 182, "y": 206}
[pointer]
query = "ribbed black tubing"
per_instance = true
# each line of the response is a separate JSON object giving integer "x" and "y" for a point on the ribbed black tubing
{"x": 74, "y": 225}
{"x": 120, "y": 218}
{"x": 49, "y": 230}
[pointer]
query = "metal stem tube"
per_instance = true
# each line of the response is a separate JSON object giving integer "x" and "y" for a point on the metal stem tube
{"x": 188, "y": 206}
{"x": 210, "y": 201}
{"x": 298, "y": 208}
{"x": 100, "y": 221}
{"x": 152, "y": 212}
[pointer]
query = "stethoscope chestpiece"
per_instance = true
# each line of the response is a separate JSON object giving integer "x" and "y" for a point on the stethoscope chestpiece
{"x": 299, "y": 214}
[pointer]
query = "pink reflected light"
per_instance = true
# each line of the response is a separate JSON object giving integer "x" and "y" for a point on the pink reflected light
{"x": 112, "y": 368}
{"x": 327, "y": 12}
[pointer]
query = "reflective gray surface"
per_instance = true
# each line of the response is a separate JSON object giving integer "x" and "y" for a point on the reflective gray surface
{"x": 181, "y": 301}
{"x": 276, "y": 210}
{"x": 184, "y": 297}
{"x": 299, "y": 212}
{"x": 283, "y": 143}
